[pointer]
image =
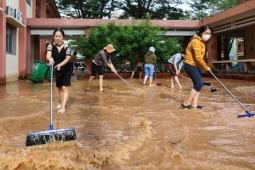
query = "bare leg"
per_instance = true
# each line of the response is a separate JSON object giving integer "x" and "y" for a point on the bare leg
{"x": 90, "y": 82}
{"x": 145, "y": 79}
{"x": 64, "y": 97}
{"x": 150, "y": 81}
{"x": 172, "y": 81}
{"x": 132, "y": 74}
{"x": 194, "y": 104}
{"x": 60, "y": 97}
{"x": 101, "y": 83}
{"x": 191, "y": 96}
{"x": 177, "y": 81}
{"x": 64, "y": 94}
{"x": 140, "y": 75}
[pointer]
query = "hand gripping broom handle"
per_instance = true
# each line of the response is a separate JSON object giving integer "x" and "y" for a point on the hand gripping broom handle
{"x": 124, "y": 80}
{"x": 51, "y": 101}
{"x": 228, "y": 91}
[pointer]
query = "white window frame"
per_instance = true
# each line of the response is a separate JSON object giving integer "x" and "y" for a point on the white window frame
{"x": 29, "y": 2}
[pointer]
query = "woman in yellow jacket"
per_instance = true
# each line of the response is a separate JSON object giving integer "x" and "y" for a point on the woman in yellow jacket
{"x": 193, "y": 63}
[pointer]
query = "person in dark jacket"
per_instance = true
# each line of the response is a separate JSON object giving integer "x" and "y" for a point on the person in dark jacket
{"x": 102, "y": 57}
{"x": 150, "y": 59}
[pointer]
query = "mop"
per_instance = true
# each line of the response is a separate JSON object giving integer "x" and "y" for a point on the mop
{"x": 124, "y": 80}
{"x": 51, "y": 135}
{"x": 204, "y": 83}
{"x": 248, "y": 114}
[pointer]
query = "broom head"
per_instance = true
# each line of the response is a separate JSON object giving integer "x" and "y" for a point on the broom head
{"x": 50, "y": 136}
{"x": 248, "y": 114}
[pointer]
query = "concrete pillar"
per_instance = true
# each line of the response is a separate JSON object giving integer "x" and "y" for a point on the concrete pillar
{"x": 212, "y": 50}
{"x": 3, "y": 43}
{"x": 22, "y": 42}
{"x": 43, "y": 50}
{"x": 43, "y": 9}
{"x": 33, "y": 4}
{"x": 29, "y": 60}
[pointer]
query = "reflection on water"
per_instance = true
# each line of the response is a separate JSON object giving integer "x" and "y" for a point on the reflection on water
{"x": 129, "y": 129}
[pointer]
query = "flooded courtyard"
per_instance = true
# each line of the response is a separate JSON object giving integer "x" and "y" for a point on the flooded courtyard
{"x": 127, "y": 129}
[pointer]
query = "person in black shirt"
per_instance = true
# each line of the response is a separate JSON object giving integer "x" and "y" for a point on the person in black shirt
{"x": 59, "y": 54}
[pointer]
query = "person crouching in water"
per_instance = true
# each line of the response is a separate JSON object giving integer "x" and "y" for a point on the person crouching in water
{"x": 150, "y": 59}
{"x": 139, "y": 69}
{"x": 102, "y": 57}
{"x": 174, "y": 65}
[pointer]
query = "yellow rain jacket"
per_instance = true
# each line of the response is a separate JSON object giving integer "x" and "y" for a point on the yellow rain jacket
{"x": 195, "y": 52}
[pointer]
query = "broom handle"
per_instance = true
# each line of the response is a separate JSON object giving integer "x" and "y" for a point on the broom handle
{"x": 87, "y": 70}
{"x": 51, "y": 101}
{"x": 184, "y": 77}
{"x": 228, "y": 91}
{"x": 124, "y": 80}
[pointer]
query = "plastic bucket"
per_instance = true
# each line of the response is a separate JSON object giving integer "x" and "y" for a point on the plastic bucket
{"x": 38, "y": 71}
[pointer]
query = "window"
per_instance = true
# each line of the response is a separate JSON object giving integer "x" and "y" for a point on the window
{"x": 29, "y": 2}
{"x": 10, "y": 39}
{"x": 38, "y": 8}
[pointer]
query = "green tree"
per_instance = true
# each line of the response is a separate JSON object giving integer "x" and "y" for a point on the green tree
{"x": 86, "y": 9}
{"x": 158, "y": 9}
{"x": 204, "y": 8}
{"x": 131, "y": 42}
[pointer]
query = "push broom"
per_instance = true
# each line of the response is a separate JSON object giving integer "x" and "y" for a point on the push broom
{"x": 248, "y": 114}
{"x": 52, "y": 135}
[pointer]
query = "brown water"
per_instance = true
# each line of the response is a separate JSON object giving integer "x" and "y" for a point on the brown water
{"x": 122, "y": 128}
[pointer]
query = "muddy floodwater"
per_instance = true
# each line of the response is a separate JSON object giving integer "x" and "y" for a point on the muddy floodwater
{"x": 127, "y": 129}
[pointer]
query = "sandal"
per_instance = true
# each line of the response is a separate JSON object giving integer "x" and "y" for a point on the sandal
{"x": 59, "y": 106}
{"x": 187, "y": 107}
{"x": 101, "y": 90}
{"x": 86, "y": 91}
{"x": 199, "y": 106}
{"x": 61, "y": 111}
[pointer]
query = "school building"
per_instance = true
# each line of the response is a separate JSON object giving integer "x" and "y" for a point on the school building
{"x": 26, "y": 26}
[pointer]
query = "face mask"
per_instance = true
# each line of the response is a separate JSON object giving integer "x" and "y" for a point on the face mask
{"x": 206, "y": 37}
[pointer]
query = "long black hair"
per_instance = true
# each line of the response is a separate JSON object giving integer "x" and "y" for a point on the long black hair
{"x": 60, "y": 30}
{"x": 202, "y": 29}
